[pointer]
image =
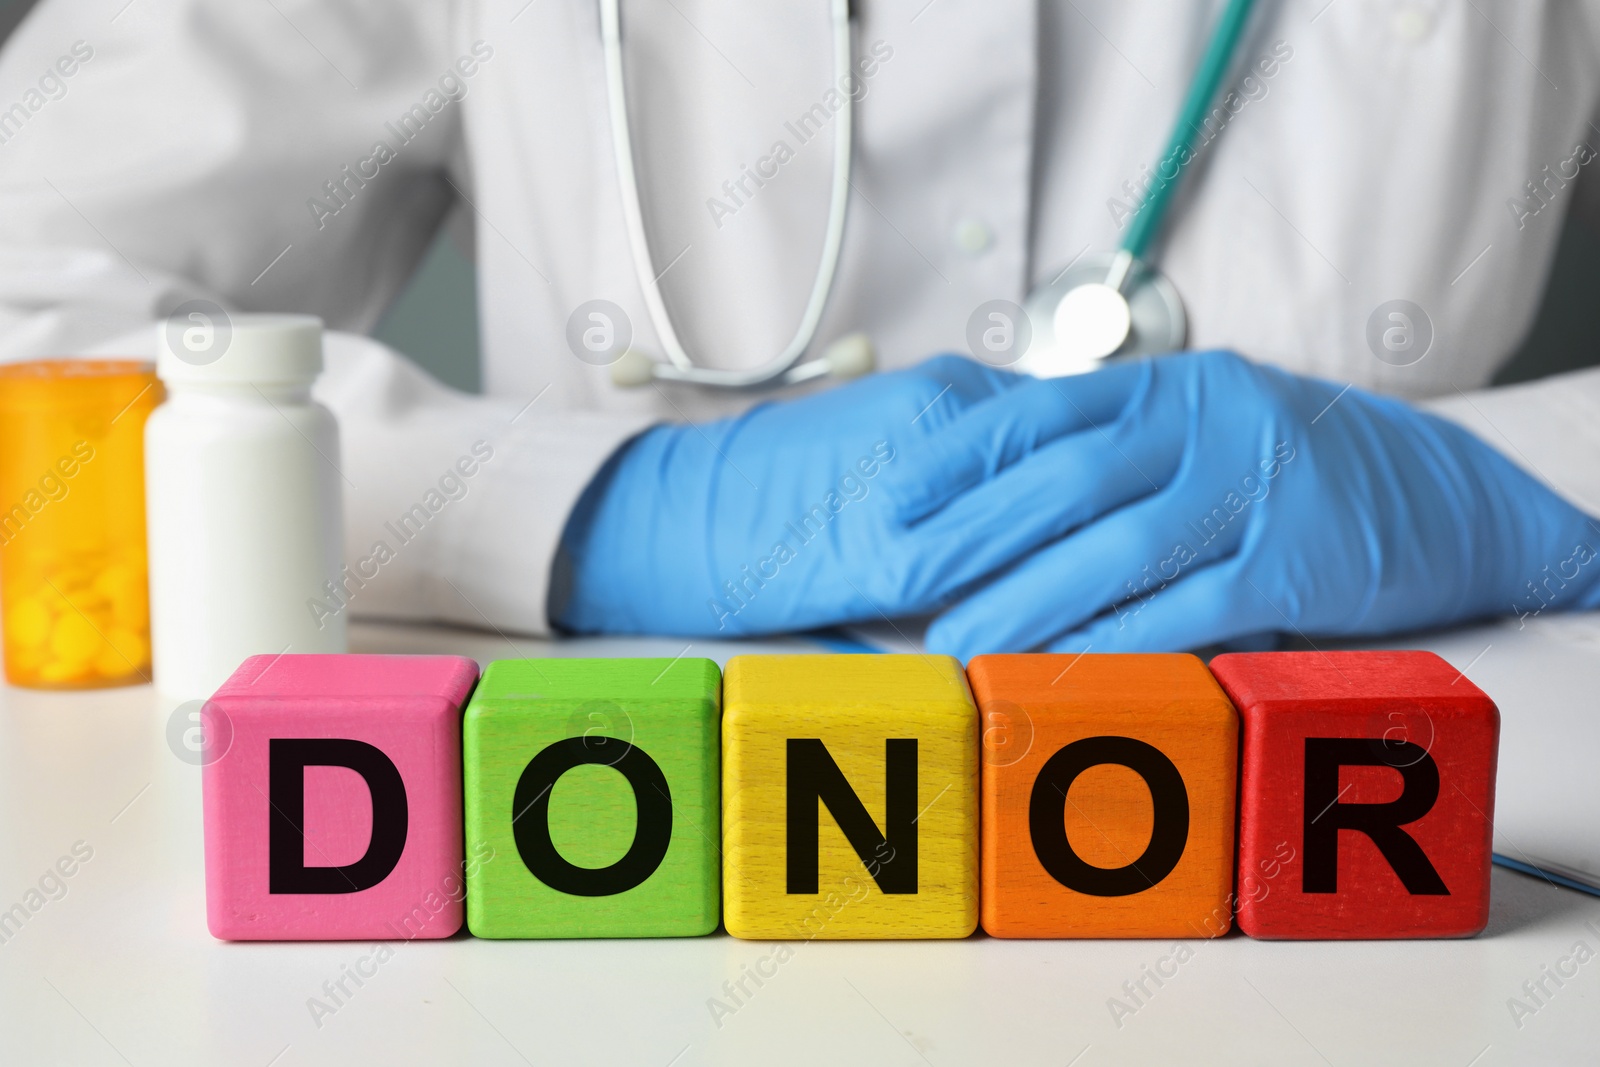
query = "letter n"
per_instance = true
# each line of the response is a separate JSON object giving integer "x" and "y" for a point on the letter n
{"x": 813, "y": 776}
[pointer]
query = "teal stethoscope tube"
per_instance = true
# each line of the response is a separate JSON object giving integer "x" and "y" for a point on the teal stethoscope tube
{"x": 1118, "y": 303}
{"x": 1180, "y": 147}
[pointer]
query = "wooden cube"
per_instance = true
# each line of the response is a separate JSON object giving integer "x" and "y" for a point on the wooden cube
{"x": 1366, "y": 794}
{"x": 850, "y": 797}
{"x": 334, "y": 809}
{"x": 592, "y": 798}
{"x": 1108, "y": 796}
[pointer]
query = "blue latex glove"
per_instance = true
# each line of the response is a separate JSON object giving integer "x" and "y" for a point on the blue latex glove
{"x": 776, "y": 520}
{"x": 1199, "y": 498}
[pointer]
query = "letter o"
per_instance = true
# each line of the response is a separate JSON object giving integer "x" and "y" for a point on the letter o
{"x": 1047, "y": 816}
{"x": 530, "y": 817}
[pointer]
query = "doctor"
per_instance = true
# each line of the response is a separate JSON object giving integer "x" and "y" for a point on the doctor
{"x": 1366, "y": 215}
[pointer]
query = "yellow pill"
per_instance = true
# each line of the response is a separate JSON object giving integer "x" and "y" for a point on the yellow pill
{"x": 128, "y": 648}
{"x": 96, "y": 607}
{"x": 116, "y": 581}
{"x": 28, "y": 623}
{"x": 73, "y": 580}
{"x": 22, "y": 663}
{"x": 131, "y": 614}
{"x": 125, "y": 587}
{"x": 100, "y": 616}
{"x": 74, "y": 640}
{"x": 60, "y": 672}
{"x": 112, "y": 664}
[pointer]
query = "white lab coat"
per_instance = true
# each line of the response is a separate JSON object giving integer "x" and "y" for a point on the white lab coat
{"x": 1384, "y": 156}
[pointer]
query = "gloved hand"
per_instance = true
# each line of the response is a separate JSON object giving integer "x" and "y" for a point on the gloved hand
{"x": 1199, "y": 498}
{"x": 771, "y": 521}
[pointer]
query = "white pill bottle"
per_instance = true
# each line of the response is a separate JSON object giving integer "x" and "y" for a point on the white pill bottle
{"x": 243, "y": 497}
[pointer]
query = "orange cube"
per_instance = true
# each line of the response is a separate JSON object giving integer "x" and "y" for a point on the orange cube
{"x": 1108, "y": 786}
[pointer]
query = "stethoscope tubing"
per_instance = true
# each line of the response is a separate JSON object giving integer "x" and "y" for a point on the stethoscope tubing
{"x": 1189, "y": 125}
{"x": 787, "y": 368}
{"x": 784, "y": 368}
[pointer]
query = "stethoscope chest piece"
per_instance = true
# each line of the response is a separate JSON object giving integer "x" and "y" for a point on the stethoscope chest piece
{"x": 1079, "y": 320}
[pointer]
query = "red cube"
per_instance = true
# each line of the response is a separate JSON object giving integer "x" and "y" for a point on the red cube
{"x": 1366, "y": 794}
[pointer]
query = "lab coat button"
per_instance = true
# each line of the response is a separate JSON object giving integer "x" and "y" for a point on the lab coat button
{"x": 972, "y": 236}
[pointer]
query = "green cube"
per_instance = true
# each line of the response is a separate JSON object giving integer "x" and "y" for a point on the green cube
{"x": 592, "y": 791}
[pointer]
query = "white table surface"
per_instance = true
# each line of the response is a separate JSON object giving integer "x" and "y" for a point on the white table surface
{"x": 120, "y": 969}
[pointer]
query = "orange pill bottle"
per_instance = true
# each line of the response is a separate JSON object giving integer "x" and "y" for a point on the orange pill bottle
{"x": 74, "y": 599}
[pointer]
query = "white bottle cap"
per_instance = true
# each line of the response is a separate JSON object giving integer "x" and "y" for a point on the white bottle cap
{"x": 203, "y": 344}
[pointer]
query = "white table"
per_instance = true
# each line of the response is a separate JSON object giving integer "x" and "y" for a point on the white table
{"x": 120, "y": 969}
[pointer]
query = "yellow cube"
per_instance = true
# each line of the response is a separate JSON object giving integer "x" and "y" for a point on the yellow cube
{"x": 849, "y": 797}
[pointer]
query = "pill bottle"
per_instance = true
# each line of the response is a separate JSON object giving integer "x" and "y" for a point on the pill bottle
{"x": 72, "y": 550}
{"x": 243, "y": 497}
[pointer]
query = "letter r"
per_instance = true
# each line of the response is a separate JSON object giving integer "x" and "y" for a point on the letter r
{"x": 1326, "y": 815}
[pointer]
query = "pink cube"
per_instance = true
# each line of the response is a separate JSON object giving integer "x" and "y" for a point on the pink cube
{"x": 333, "y": 798}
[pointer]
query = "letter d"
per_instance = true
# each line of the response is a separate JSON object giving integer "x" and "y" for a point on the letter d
{"x": 287, "y": 760}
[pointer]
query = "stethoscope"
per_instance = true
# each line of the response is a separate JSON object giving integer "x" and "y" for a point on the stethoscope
{"x": 1102, "y": 305}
